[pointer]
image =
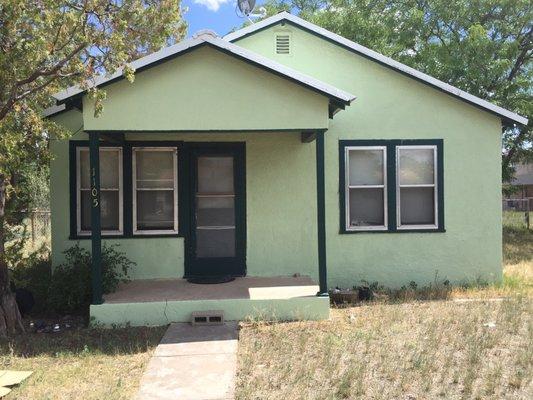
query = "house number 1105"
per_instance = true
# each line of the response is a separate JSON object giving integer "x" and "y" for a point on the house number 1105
{"x": 94, "y": 191}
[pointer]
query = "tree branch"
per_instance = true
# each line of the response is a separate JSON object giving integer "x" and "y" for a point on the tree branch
{"x": 54, "y": 72}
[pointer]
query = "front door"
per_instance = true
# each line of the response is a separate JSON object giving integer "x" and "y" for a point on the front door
{"x": 216, "y": 245}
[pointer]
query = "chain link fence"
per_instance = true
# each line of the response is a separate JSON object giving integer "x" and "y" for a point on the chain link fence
{"x": 517, "y": 213}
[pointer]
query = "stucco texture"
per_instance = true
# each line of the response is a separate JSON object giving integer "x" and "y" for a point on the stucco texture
{"x": 207, "y": 90}
{"x": 161, "y": 313}
{"x": 281, "y": 178}
{"x": 390, "y": 105}
{"x": 281, "y": 208}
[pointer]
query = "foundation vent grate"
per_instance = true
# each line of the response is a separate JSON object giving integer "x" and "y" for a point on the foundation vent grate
{"x": 212, "y": 317}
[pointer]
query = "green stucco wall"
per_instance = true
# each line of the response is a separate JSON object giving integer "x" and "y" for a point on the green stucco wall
{"x": 281, "y": 208}
{"x": 281, "y": 185}
{"x": 178, "y": 94}
{"x": 390, "y": 105}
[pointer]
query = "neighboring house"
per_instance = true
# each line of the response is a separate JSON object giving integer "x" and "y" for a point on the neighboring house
{"x": 523, "y": 188}
{"x": 282, "y": 153}
{"x": 523, "y": 180}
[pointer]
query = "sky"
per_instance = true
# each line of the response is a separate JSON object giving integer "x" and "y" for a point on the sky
{"x": 217, "y": 15}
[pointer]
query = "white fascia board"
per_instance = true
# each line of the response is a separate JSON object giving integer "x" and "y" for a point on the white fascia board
{"x": 135, "y": 65}
{"x": 326, "y": 89}
{"x": 53, "y": 110}
{"x": 285, "y": 16}
{"x": 281, "y": 69}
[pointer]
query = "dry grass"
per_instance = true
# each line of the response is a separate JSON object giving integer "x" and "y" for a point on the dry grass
{"x": 410, "y": 350}
{"x": 402, "y": 348}
{"x": 419, "y": 350}
{"x": 86, "y": 364}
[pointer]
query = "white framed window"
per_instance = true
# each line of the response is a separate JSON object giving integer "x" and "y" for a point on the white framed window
{"x": 416, "y": 187}
{"x": 155, "y": 190}
{"x": 366, "y": 188}
{"x": 111, "y": 187}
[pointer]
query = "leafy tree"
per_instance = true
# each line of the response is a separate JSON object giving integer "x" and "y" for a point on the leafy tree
{"x": 47, "y": 45}
{"x": 484, "y": 47}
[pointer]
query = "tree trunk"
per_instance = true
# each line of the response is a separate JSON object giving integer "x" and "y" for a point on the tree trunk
{"x": 10, "y": 318}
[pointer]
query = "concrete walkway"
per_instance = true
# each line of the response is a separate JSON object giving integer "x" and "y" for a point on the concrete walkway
{"x": 193, "y": 363}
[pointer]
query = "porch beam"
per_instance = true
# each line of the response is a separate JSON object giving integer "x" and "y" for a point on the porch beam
{"x": 308, "y": 136}
{"x": 96, "y": 234}
{"x": 321, "y": 214}
{"x": 116, "y": 138}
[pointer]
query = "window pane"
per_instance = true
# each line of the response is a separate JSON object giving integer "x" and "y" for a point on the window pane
{"x": 215, "y": 174}
{"x": 154, "y": 169}
{"x": 366, "y": 167}
{"x": 155, "y": 210}
{"x": 85, "y": 182}
{"x": 366, "y": 207}
{"x": 109, "y": 169}
{"x": 216, "y": 211}
{"x": 215, "y": 243}
{"x": 417, "y": 206}
{"x": 416, "y": 166}
{"x": 109, "y": 210}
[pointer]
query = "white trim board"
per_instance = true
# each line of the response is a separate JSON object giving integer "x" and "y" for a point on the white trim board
{"x": 285, "y": 16}
{"x": 328, "y": 90}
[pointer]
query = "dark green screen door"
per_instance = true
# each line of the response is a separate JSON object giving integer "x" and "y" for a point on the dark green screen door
{"x": 217, "y": 245}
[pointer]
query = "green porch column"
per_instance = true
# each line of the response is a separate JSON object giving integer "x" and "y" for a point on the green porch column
{"x": 321, "y": 214}
{"x": 96, "y": 239}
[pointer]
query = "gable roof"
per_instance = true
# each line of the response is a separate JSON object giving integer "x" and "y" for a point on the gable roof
{"x": 53, "y": 110}
{"x": 338, "y": 98}
{"x": 371, "y": 54}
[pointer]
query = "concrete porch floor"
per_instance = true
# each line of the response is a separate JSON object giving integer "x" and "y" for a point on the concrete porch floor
{"x": 253, "y": 288}
{"x": 160, "y": 302}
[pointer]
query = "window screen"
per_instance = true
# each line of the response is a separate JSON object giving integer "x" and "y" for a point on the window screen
{"x": 110, "y": 190}
{"x": 416, "y": 186}
{"x": 366, "y": 189}
{"x": 155, "y": 190}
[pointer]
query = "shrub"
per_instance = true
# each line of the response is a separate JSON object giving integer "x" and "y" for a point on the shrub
{"x": 34, "y": 273}
{"x": 71, "y": 289}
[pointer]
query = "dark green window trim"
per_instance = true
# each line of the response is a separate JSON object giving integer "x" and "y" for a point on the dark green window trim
{"x": 127, "y": 189}
{"x": 391, "y": 179}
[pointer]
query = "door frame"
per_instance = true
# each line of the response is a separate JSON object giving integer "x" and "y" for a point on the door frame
{"x": 236, "y": 266}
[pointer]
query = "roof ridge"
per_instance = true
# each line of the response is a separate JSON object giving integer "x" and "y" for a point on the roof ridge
{"x": 380, "y": 58}
{"x": 339, "y": 96}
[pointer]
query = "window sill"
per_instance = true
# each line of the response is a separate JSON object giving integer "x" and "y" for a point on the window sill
{"x": 137, "y": 236}
{"x": 441, "y": 230}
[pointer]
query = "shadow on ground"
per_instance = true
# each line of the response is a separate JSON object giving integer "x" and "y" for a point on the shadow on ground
{"x": 83, "y": 341}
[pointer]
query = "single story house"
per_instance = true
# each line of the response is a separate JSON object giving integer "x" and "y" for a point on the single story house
{"x": 521, "y": 199}
{"x": 286, "y": 156}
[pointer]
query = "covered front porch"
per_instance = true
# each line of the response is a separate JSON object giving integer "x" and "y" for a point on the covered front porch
{"x": 210, "y": 185}
{"x": 162, "y": 301}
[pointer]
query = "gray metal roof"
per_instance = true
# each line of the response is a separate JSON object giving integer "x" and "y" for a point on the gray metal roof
{"x": 327, "y": 90}
{"x": 285, "y": 16}
{"x": 53, "y": 110}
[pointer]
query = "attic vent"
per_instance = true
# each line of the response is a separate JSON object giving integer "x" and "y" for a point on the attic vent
{"x": 283, "y": 43}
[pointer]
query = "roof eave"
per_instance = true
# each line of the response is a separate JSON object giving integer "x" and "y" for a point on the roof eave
{"x": 506, "y": 115}
{"x": 335, "y": 95}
